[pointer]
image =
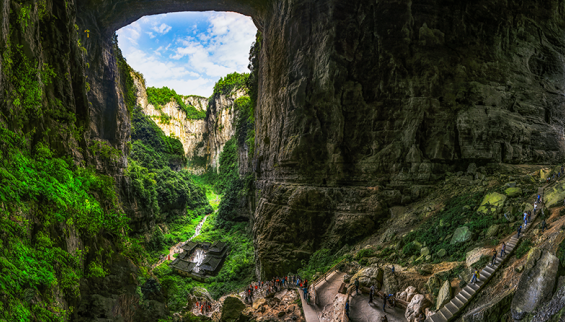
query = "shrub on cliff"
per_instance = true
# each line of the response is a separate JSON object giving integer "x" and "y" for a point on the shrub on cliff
{"x": 159, "y": 97}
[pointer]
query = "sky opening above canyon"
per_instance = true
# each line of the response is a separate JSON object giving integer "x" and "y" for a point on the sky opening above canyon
{"x": 188, "y": 51}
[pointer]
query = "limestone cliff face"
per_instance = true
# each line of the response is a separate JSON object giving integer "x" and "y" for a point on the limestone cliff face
{"x": 189, "y": 132}
{"x": 221, "y": 123}
{"x": 201, "y": 139}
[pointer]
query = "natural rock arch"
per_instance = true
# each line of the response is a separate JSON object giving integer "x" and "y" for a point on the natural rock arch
{"x": 365, "y": 104}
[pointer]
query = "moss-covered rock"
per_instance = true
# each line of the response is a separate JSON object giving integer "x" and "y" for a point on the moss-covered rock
{"x": 231, "y": 310}
{"x": 492, "y": 203}
{"x": 513, "y": 192}
{"x": 461, "y": 235}
{"x": 444, "y": 295}
{"x": 554, "y": 196}
{"x": 492, "y": 231}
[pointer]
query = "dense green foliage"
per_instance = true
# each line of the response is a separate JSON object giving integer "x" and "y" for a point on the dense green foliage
{"x": 523, "y": 248}
{"x": 161, "y": 96}
{"x": 236, "y": 273}
{"x": 482, "y": 262}
{"x": 48, "y": 196}
{"x": 457, "y": 212}
{"x": 321, "y": 261}
{"x": 561, "y": 253}
{"x": 151, "y": 147}
{"x": 230, "y": 82}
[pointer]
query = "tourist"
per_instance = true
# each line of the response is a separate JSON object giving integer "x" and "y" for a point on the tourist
{"x": 519, "y": 230}
{"x": 493, "y": 257}
{"x": 392, "y": 300}
{"x": 474, "y": 278}
{"x": 347, "y": 309}
{"x": 503, "y": 249}
{"x": 357, "y": 285}
{"x": 371, "y": 293}
{"x": 384, "y": 302}
{"x": 392, "y": 269}
{"x": 543, "y": 225}
{"x": 539, "y": 196}
{"x": 305, "y": 289}
{"x": 384, "y": 318}
{"x": 529, "y": 216}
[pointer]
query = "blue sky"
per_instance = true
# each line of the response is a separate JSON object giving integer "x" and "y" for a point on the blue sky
{"x": 188, "y": 51}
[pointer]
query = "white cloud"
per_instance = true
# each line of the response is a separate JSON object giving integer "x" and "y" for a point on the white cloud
{"x": 188, "y": 64}
{"x": 162, "y": 29}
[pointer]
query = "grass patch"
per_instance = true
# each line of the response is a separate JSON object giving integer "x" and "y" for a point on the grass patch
{"x": 523, "y": 248}
{"x": 457, "y": 212}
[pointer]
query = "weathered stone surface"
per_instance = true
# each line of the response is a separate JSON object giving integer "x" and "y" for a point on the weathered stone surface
{"x": 492, "y": 203}
{"x": 444, "y": 295}
{"x": 513, "y": 192}
{"x": 231, "y": 309}
{"x": 424, "y": 251}
{"x": 461, "y": 235}
{"x": 553, "y": 310}
{"x": 417, "y": 305}
{"x": 441, "y": 253}
{"x": 536, "y": 283}
{"x": 432, "y": 283}
{"x": 368, "y": 276}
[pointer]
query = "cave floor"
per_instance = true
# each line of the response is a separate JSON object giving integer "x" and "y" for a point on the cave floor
{"x": 363, "y": 311}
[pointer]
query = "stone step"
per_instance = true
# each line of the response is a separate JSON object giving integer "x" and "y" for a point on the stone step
{"x": 439, "y": 318}
{"x": 461, "y": 298}
{"x": 446, "y": 313}
{"x": 441, "y": 315}
{"x": 465, "y": 295}
{"x": 452, "y": 308}
{"x": 473, "y": 288}
{"x": 488, "y": 269}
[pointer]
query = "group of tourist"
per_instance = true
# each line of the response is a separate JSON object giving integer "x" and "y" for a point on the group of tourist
{"x": 274, "y": 285}
{"x": 203, "y": 307}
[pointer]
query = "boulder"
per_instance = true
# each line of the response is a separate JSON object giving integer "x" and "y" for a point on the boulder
{"x": 492, "y": 231}
{"x": 461, "y": 235}
{"x": 513, "y": 192}
{"x": 368, "y": 276}
{"x": 474, "y": 255}
{"x": 231, "y": 310}
{"x": 346, "y": 278}
{"x": 424, "y": 251}
{"x": 554, "y": 196}
{"x": 417, "y": 305}
{"x": 201, "y": 293}
{"x": 390, "y": 284}
{"x": 492, "y": 203}
{"x": 441, "y": 253}
{"x": 433, "y": 283}
{"x": 536, "y": 283}
{"x": 511, "y": 185}
{"x": 444, "y": 295}
{"x": 258, "y": 303}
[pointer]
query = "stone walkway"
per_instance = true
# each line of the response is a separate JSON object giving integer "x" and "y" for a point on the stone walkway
{"x": 326, "y": 291}
{"x": 449, "y": 311}
{"x": 363, "y": 311}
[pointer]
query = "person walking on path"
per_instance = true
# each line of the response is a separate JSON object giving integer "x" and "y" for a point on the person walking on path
{"x": 493, "y": 257}
{"x": 529, "y": 216}
{"x": 474, "y": 278}
{"x": 543, "y": 226}
{"x": 371, "y": 293}
{"x": 519, "y": 231}
{"x": 385, "y": 297}
{"x": 392, "y": 269}
{"x": 503, "y": 249}
{"x": 357, "y": 286}
{"x": 347, "y": 309}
